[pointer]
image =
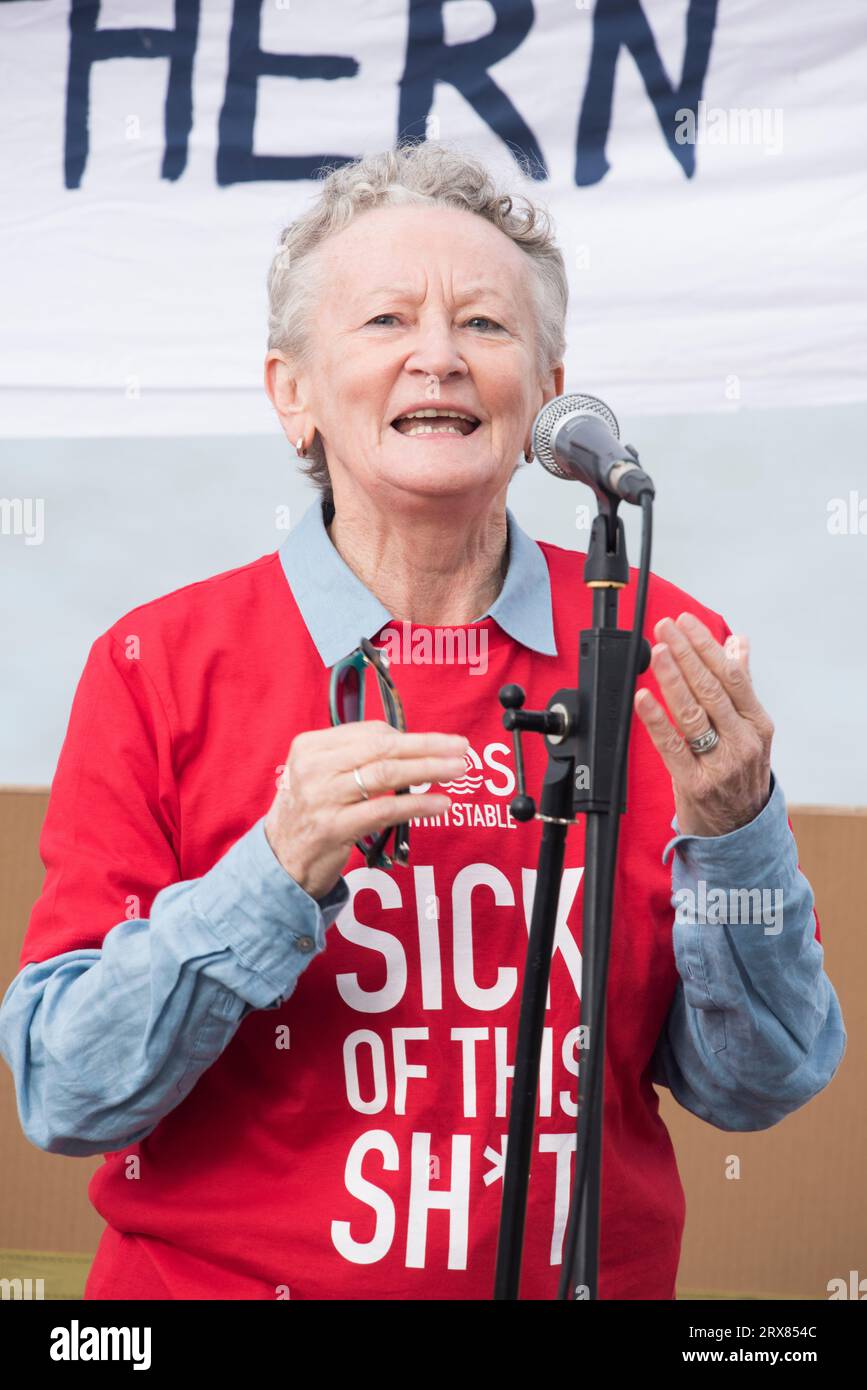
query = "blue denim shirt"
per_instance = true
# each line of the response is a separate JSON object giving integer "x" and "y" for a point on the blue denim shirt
{"x": 103, "y": 1043}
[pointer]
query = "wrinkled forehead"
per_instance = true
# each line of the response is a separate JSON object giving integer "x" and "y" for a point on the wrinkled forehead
{"x": 417, "y": 253}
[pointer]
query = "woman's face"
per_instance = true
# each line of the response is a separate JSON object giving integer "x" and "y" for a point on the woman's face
{"x": 423, "y": 309}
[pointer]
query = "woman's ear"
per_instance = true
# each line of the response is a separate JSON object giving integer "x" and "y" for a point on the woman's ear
{"x": 551, "y": 388}
{"x": 558, "y": 376}
{"x": 283, "y": 390}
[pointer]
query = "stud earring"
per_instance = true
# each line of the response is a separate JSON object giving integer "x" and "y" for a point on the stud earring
{"x": 528, "y": 457}
{"x": 300, "y": 448}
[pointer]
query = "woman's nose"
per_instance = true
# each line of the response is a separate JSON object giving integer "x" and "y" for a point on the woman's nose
{"x": 436, "y": 351}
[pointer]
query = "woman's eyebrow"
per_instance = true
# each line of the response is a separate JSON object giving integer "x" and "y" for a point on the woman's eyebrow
{"x": 481, "y": 291}
{"x": 382, "y": 291}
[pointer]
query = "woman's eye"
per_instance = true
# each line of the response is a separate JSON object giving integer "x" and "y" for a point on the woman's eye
{"x": 488, "y": 324}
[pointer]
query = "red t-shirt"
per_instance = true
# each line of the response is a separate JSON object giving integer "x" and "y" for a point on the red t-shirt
{"x": 365, "y": 1160}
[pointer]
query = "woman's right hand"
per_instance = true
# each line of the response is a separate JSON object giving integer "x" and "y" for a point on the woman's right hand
{"x": 319, "y": 811}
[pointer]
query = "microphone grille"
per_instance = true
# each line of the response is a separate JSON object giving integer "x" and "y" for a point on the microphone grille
{"x": 550, "y": 416}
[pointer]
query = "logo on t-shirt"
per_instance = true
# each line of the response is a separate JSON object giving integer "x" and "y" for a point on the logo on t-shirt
{"x": 484, "y": 774}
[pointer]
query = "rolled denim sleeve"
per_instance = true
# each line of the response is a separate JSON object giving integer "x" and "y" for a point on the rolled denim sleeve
{"x": 755, "y": 1028}
{"x": 103, "y": 1043}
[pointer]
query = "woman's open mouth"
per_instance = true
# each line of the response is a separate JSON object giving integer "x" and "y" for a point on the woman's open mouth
{"x": 434, "y": 423}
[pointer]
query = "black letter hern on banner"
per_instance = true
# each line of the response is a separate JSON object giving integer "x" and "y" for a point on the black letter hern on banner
{"x": 465, "y": 66}
{"x": 89, "y": 45}
{"x": 623, "y": 22}
{"x": 236, "y": 162}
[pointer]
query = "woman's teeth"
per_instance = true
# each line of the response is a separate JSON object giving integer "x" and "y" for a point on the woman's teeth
{"x": 435, "y": 420}
{"x": 433, "y": 429}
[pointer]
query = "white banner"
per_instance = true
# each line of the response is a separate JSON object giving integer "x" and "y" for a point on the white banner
{"x": 704, "y": 163}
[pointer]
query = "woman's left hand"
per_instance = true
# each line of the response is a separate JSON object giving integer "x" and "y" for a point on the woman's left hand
{"x": 706, "y": 685}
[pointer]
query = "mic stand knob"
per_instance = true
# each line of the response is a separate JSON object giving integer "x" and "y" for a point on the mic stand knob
{"x": 543, "y": 721}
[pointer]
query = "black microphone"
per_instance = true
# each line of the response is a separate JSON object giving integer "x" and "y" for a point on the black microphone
{"x": 577, "y": 437}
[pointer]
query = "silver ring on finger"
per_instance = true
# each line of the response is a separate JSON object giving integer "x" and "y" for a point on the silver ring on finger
{"x": 356, "y": 772}
{"x": 706, "y": 741}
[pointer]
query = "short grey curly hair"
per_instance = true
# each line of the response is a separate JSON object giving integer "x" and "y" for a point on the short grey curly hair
{"x": 428, "y": 173}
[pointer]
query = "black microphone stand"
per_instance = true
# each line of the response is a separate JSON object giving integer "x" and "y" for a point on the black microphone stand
{"x": 582, "y": 730}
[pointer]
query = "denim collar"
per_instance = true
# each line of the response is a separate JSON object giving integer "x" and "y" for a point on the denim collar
{"x": 338, "y": 609}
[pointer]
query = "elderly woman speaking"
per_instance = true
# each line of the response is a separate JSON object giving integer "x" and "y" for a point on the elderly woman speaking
{"x": 289, "y": 1020}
